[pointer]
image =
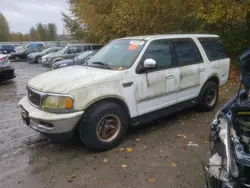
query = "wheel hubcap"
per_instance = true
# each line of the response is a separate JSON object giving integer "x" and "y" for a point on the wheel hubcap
{"x": 211, "y": 97}
{"x": 39, "y": 60}
{"x": 108, "y": 128}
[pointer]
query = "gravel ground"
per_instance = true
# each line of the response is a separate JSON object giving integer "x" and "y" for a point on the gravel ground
{"x": 153, "y": 155}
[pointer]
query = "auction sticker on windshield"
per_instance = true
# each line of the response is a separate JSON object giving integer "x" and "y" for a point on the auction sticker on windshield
{"x": 133, "y": 47}
{"x": 136, "y": 42}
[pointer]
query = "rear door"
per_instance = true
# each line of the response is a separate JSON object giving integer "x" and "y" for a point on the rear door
{"x": 217, "y": 54}
{"x": 188, "y": 60}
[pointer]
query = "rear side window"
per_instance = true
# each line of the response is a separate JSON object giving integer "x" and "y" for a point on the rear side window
{"x": 214, "y": 48}
{"x": 86, "y": 48}
{"x": 96, "y": 47}
{"x": 186, "y": 52}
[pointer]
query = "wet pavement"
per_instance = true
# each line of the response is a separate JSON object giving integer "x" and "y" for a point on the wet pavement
{"x": 153, "y": 155}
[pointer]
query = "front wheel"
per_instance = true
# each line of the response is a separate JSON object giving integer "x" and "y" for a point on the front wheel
{"x": 104, "y": 126}
{"x": 209, "y": 96}
{"x": 39, "y": 59}
{"x": 17, "y": 58}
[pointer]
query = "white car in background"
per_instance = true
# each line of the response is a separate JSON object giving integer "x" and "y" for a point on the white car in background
{"x": 129, "y": 81}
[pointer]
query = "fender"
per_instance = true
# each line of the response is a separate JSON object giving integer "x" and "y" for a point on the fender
{"x": 213, "y": 78}
{"x": 119, "y": 100}
{"x": 57, "y": 59}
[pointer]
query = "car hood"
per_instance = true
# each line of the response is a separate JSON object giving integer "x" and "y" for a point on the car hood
{"x": 37, "y": 53}
{"x": 59, "y": 80}
{"x": 66, "y": 61}
{"x": 53, "y": 55}
{"x": 16, "y": 53}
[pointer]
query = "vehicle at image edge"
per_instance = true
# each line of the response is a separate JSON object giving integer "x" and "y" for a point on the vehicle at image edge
{"x": 7, "y": 49}
{"x": 78, "y": 60}
{"x": 129, "y": 81}
{"x": 6, "y": 71}
{"x": 23, "y": 54}
{"x": 229, "y": 137}
{"x": 68, "y": 52}
{"x": 36, "y": 57}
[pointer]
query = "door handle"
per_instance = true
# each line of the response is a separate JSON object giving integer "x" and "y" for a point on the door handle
{"x": 202, "y": 70}
{"x": 170, "y": 77}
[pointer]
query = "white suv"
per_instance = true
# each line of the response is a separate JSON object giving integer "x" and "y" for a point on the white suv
{"x": 129, "y": 81}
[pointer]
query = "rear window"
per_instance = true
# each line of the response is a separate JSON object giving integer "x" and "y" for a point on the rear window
{"x": 214, "y": 48}
{"x": 8, "y": 47}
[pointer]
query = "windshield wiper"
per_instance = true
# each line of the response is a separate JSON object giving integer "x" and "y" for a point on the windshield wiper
{"x": 102, "y": 64}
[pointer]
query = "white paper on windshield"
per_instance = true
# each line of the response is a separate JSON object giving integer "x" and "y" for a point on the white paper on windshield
{"x": 136, "y": 42}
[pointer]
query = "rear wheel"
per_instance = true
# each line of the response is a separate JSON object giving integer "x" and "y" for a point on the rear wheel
{"x": 104, "y": 126}
{"x": 17, "y": 58}
{"x": 209, "y": 96}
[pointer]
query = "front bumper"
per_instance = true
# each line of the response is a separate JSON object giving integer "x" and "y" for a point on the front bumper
{"x": 48, "y": 123}
{"x": 7, "y": 74}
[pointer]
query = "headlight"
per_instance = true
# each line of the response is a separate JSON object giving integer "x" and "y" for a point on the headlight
{"x": 58, "y": 103}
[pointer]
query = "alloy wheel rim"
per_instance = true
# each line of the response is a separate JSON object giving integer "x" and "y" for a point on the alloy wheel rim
{"x": 108, "y": 128}
{"x": 39, "y": 60}
{"x": 211, "y": 97}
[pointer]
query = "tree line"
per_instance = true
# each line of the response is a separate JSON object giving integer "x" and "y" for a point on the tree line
{"x": 101, "y": 21}
{"x": 41, "y": 32}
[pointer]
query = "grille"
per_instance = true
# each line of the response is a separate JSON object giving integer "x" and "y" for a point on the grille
{"x": 34, "y": 97}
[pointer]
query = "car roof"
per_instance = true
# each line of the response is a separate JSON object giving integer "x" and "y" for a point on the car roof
{"x": 84, "y": 44}
{"x": 150, "y": 37}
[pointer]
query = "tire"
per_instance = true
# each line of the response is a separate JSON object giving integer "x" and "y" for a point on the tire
{"x": 17, "y": 58}
{"x": 91, "y": 127}
{"x": 209, "y": 96}
{"x": 39, "y": 59}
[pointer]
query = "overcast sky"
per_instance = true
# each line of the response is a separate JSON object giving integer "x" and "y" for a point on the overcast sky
{"x": 23, "y": 14}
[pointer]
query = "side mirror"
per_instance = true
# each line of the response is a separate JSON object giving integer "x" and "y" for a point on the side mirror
{"x": 149, "y": 64}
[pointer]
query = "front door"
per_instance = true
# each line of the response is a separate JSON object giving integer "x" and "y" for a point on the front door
{"x": 156, "y": 89}
{"x": 189, "y": 61}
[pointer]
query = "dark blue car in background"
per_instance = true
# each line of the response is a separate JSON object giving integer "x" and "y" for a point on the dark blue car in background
{"x": 7, "y": 49}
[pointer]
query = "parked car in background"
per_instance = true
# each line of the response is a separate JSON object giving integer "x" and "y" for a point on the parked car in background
{"x": 129, "y": 81}
{"x": 69, "y": 52}
{"x": 36, "y": 57}
{"x": 36, "y": 45}
{"x": 78, "y": 60}
{"x": 6, "y": 71}
{"x": 7, "y": 49}
{"x": 23, "y": 54}
{"x": 19, "y": 48}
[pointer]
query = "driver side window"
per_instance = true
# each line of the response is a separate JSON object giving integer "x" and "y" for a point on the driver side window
{"x": 160, "y": 51}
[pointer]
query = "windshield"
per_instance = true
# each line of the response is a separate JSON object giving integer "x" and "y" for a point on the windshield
{"x": 119, "y": 54}
{"x": 83, "y": 55}
{"x": 62, "y": 51}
